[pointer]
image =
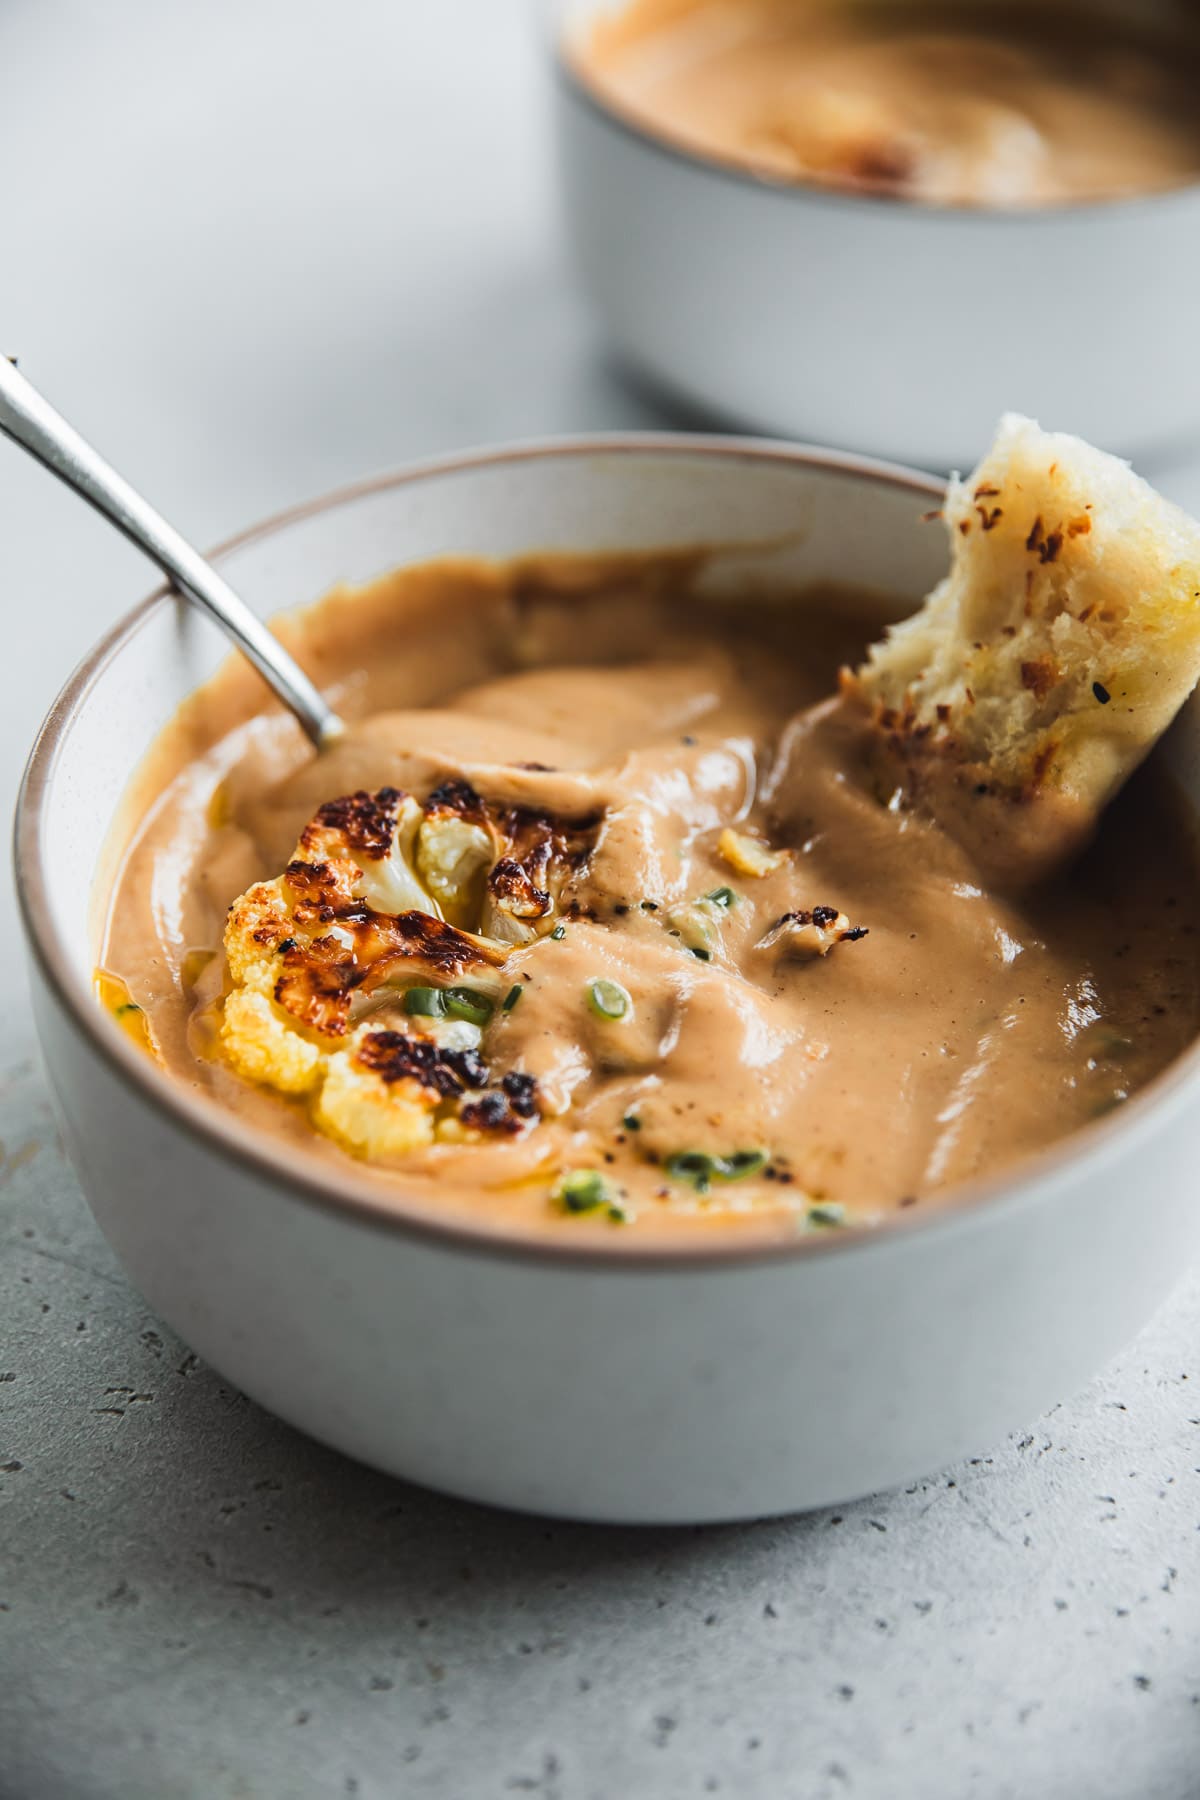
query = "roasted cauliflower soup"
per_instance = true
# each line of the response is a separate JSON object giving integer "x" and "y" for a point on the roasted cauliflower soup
{"x": 597, "y": 920}
{"x": 967, "y": 105}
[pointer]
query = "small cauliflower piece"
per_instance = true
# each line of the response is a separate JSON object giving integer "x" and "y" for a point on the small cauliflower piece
{"x": 391, "y": 884}
{"x": 369, "y": 1115}
{"x": 259, "y": 1037}
{"x": 693, "y": 924}
{"x": 697, "y": 923}
{"x": 348, "y": 986}
{"x": 749, "y": 855}
{"x": 1049, "y": 661}
{"x": 265, "y": 1047}
{"x": 515, "y": 905}
{"x": 518, "y": 908}
{"x": 376, "y": 836}
{"x": 259, "y": 922}
{"x": 452, "y": 855}
{"x": 809, "y": 934}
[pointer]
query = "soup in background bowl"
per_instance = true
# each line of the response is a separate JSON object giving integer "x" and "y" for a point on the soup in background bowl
{"x": 948, "y": 104}
{"x": 880, "y": 225}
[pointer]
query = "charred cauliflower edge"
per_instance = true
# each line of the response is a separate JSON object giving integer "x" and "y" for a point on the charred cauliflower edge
{"x": 326, "y": 964}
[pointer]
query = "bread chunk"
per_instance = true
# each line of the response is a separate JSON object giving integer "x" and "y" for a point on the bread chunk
{"x": 1049, "y": 661}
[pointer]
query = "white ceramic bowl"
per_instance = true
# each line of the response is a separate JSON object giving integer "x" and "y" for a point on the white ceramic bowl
{"x": 603, "y": 1384}
{"x": 901, "y": 329}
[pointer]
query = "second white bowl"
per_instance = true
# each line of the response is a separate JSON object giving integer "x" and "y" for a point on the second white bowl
{"x": 901, "y": 329}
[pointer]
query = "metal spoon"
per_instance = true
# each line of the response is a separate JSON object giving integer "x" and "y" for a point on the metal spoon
{"x": 31, "y": 422}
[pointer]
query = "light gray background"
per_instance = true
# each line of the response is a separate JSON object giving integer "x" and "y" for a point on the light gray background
{"x": 256, "y": 248}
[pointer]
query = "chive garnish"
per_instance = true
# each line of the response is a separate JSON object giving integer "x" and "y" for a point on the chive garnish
{"x": 608, "y": 999}
{"x": 127, "y": 1006}
{"x": 560, "y": 931}
{"x": 583, "y": 1190}
{"x": 828, "y": 1212}
{"x": 510, "y": 999}
{"x": 741, "y": 1164}
{"x": 723, "y": 896}
{"x": 425, "y": 1003}
{"x": 469, "y": 1004}
{"x": 693, "y": 1166}
{"x": 448, "y": 1003}
{"x": 701, "y": 1169}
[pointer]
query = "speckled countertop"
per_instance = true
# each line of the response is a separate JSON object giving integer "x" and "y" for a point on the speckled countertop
{"x": 256, "y": 259}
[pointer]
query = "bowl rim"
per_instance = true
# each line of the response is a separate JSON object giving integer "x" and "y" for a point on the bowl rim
{"x": 806, "y": 190}
{"x": 300, "y": 1177}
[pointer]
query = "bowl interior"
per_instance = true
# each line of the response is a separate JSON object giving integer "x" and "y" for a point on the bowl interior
{"x": 779, "y": 520}
{"x": 776, "y": 519}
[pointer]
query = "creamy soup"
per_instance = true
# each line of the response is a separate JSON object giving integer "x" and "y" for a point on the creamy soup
{"x": 964, "y": 105}
{"x": 762, "y": 1000}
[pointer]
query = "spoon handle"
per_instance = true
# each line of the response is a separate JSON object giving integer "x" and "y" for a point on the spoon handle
{"x": 31, "y": 422}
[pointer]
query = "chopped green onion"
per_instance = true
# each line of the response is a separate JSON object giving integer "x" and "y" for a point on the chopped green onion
{"x": 448, "y": 1003}
{"x": 560, "y": 931}
{"x": 619, "y": 1213}
{"x": 583, "y": 1190}
{"x": 467, "y": 1003}
{"x": 723, "y": 896}
{"x": 127, "y": 1007}
{"x": 513, "y": 995}
{"x": 608, "y": 999}
{"x": 425, "y": 1003}
{"x": 829, "y": 1212}
{"x": 693, "y": 1166}
{"x": 701, "y": 1170}
{"x": 741, "y": 1164}
{"x": 631, "y": 1122}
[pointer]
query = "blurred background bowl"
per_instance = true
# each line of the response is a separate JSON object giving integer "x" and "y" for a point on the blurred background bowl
{"x": 896, "y": 327}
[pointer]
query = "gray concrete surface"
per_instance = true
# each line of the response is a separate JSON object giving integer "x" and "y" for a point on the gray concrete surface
{"x": 259, "y": 248}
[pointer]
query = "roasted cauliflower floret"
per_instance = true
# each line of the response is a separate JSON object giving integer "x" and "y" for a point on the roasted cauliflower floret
{"x": 454, "y": 849}
{"x": 390, "y": 1092}
{"x": 749, "y": 855}
{"x": 265, "y": 1047}
{"x": 515, "y": 903}
{"x": 811, "y": 933}
{"x": 377, "y": 835}
{"x": 259, "y": 922}
{"x": 259, "y": 1037}
{"x": 370, "y": 1115}
{"x": 372, "y": 1008}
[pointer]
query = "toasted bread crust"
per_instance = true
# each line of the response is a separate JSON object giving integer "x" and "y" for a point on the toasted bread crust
{"x": 1059, "y": 647}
